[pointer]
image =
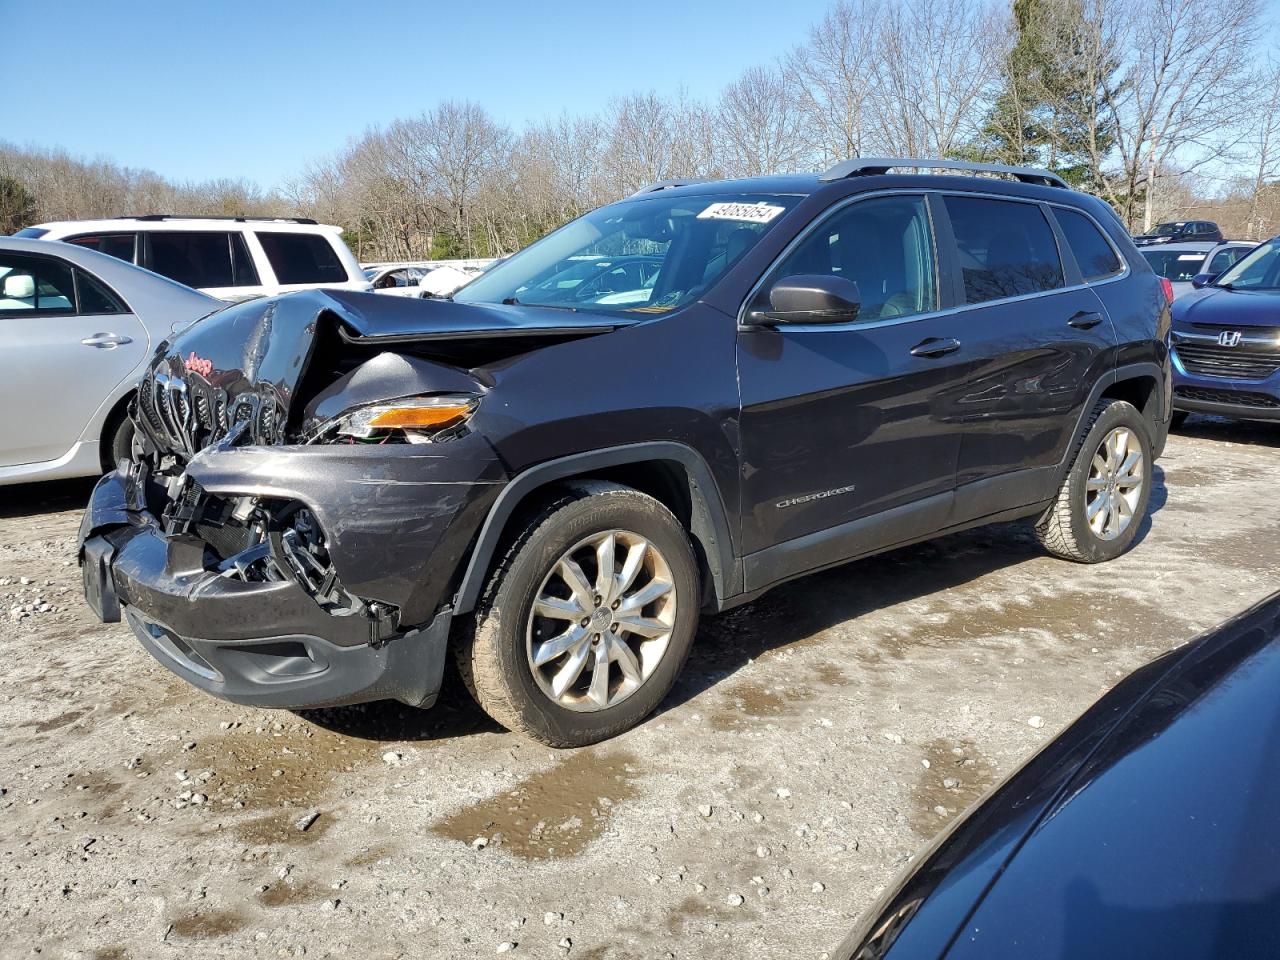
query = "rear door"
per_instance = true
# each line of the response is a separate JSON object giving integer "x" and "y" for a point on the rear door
{"x": 1039, "y": 338}
{"x": 67, "y": 342}
{"x": 844, "y": 448}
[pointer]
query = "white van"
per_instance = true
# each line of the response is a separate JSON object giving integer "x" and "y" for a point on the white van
{"x": 231, "y": 258}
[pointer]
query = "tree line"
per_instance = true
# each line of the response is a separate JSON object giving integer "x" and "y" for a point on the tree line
{"x": 1165, "y": 108}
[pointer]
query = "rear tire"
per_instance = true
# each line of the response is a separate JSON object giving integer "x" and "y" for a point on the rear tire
{"x": 1103, "y": 499}
{"x": 593, "y": 658}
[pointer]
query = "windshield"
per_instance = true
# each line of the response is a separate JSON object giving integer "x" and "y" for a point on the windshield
{"x": 648, "y": 256}
{"x": 1168, "y": 229}
{"x": 1176, "y": 265}
{"x": 1260, "y": 270}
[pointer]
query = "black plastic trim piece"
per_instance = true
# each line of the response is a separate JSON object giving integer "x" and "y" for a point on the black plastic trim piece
{"x": 710, "y": 521}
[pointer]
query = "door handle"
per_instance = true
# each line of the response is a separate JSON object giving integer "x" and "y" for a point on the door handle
{"x": 106, "y": 340}
{"x": 935, "y": 347}
{"x": 1084, "y": 320}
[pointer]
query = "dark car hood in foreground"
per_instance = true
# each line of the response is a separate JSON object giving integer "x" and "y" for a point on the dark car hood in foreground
{"x": 253, "y": 361}
{"x": 1220, "y": 307}
{"x": 1149, "y": 828}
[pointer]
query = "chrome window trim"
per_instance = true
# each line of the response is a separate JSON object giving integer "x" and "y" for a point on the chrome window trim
{"x": 854, "y": 325}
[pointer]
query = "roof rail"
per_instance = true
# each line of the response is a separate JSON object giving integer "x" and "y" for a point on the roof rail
{"x": 866, "y": 166}
{"x": 189, "y": 216}
{"x": 669, "y": 184}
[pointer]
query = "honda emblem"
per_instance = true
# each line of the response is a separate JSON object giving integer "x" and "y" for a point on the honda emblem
{"x": 1230, "y": 338}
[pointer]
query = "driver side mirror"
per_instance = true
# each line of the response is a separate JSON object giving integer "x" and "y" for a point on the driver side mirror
{"x": 1203, "y": 279}
{"x": 808, "y": 298}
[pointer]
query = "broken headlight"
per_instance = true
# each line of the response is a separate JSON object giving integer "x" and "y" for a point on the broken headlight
{"x": 412, "y": 420}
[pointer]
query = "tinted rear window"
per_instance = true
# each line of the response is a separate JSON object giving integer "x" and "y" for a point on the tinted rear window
{"x": 1179, "y": 265}
{"x": 119, "y": 245}
{"x": 1095, "y": 256}
{"x": 302, "y": 258}
{"x": 199, "y": 259}
{"x": 1006, "y": 248}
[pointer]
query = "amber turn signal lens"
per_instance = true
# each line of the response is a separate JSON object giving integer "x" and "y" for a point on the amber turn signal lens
{"x": 429, "y": 417}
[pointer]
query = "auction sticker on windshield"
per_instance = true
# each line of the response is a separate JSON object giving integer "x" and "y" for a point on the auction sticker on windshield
{"x": 750, "y": 212}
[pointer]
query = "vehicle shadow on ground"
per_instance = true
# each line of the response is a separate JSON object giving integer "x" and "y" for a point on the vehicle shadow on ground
{"x": 1256, "y": 433}
{"x": 48, "y": 496}
{"x": 455, "y": 714}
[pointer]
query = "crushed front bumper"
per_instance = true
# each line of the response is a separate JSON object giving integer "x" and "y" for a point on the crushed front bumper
{"x": 270, "y": 643}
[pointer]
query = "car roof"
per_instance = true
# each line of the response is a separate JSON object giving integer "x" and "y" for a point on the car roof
{"x": 805, "y": 184}
{"x": 185, "y": 223}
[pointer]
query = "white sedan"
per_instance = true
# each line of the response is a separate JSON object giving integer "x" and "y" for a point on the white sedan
{"x": 77, "y": 328}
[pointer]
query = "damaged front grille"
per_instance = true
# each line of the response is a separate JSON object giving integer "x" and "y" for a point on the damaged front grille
{"x": 183, "y": 415}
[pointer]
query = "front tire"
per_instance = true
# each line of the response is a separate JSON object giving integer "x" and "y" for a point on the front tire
{"x": 1104, "y": 496}
{"x": 588, "y": 618}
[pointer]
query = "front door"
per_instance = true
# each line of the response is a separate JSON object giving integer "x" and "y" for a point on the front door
{"x": 844, "y": 450}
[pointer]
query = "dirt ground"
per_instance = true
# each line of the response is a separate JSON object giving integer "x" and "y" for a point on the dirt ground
{"x": 817, "y": 739}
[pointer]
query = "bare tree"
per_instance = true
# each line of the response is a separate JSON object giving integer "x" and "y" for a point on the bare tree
{"x": 935, "y": 74}
{"x": 1262, "y": 143}
{"x": 1186, "y": 63}
{"x": 833, "y": 76}
{"x": 758, "y": 128}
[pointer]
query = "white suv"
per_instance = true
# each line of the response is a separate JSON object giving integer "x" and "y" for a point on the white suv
{"x": 231, "y": 258}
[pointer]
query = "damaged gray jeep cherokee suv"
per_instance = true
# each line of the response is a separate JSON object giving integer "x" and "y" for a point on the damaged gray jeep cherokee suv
{"x": 668, "y": 406}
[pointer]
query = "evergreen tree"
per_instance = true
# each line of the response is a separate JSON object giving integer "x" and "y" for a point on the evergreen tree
{"x": 17, "y": 205}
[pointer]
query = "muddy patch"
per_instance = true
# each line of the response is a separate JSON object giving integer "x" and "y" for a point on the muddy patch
{"x": 206, "y": 925}
{"x": 751, "y": 701}
{"x": 553, "y": 814}
{"x": 58, "y": 722}
{"x": 957, "y": 775}
{"x": 831, "y": 675}
{"x": 367, "y": 858}
{"x": 283, "y": 829}
{"x": 286, "y": 894}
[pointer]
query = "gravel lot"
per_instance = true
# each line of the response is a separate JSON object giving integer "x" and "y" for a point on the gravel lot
{"x": 818, "y": 738}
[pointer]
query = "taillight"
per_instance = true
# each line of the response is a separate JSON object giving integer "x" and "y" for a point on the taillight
{"x": 1168, "y": 289}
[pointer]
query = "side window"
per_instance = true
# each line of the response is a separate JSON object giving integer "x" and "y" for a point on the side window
{"x": 95, "y": 298}
{"x": 1225, "y": 258}
{"x": 885, "y": 245}
{"x": 302, "y": 257}
{"x": 196, "y": 258}
{"x": 1006, "y": 248}
{"x": 35, "y": 286}
{"x": 118, "y": 245}
{"x": 1096, "y": 257}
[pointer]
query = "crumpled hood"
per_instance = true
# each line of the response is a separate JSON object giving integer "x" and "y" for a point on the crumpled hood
{"x": 250, "y": 362}
{"x": 1233, "y": 308}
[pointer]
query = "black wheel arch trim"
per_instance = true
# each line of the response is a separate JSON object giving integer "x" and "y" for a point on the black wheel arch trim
{"x": 709, "y": 523}
{"x": 1130, "y": 371}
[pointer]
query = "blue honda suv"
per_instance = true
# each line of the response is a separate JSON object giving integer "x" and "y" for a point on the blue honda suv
{"x": 1226, "y": 340}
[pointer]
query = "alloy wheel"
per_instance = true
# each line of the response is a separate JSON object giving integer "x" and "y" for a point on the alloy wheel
{"x": 601, "y": 621}
{"x": 1114, "y": 485}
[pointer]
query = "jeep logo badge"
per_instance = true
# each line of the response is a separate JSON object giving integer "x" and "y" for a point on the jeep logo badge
{"x": 1230, "y": 338}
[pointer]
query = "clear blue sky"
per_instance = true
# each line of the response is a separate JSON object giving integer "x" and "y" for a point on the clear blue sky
{"x": 255, "y": 88}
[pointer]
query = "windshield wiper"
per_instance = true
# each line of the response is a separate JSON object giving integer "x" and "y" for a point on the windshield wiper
{"x": 513, "y": 302}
